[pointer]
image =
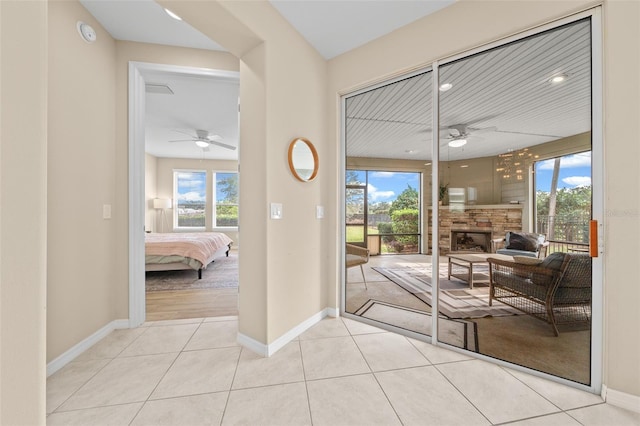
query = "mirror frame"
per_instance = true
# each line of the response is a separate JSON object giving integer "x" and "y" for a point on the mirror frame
{"x": 292, "y": 144}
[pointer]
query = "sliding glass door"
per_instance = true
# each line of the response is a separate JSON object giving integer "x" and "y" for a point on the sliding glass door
{"x": 502, "y": 251}
{"x": 504, "y": 111}
{"x": 387, "y": 192}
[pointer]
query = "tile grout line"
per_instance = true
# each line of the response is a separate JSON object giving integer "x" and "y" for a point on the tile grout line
{"x": 233, "y": 379}
{"x": 93, "y": 375}
{"x": 463, "y": 395}
{"x": 376, "y": 378}
{"x": 562, "y": 410}
{"x": 306, "y": 386}
{"x": 166, "y": 371}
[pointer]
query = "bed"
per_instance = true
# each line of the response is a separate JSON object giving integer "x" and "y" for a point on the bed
{"x": 189, "y": 250}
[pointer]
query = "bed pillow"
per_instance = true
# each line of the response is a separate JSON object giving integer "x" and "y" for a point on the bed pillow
{"x": 522, "y": 241}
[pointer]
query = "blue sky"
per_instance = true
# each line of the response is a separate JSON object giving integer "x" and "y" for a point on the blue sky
{"x": 191, "y": 186}
{"x": 386, "y": 186}
{"x": 575, "y": 170}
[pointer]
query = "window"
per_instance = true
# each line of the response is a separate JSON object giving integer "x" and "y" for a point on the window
{"x": 190, "y": 198}
{"x": 384, "y": 204}
{"x": 225, "y": 188}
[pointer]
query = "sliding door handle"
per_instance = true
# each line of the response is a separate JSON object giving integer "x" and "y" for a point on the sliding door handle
{"x": 593, "y": 238}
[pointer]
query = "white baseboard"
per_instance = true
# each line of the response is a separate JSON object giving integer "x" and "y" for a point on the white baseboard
{"x": 621, "y": 399}
{"x": 85, "y": 344}
{"x": 268, "y": 350}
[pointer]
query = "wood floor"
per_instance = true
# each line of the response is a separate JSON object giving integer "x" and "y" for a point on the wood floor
{"x": 199, "y": 303}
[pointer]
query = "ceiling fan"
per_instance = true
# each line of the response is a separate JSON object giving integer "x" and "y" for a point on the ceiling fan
{"x": 203, "y": 139}
{"x": 460, "y": 133}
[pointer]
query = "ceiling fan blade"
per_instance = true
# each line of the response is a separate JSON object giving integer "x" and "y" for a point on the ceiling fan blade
{"x": 484, "y": 130}
{"x": 224, "y": 145}
{"x": 183, "y": 140}
{"x": 184, "y": 133}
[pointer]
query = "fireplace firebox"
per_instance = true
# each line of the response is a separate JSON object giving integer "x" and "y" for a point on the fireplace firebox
{"x": 471, "y": 241}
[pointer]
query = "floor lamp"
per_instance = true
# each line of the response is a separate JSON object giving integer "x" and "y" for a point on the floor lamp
{"x": 162, "y": 204}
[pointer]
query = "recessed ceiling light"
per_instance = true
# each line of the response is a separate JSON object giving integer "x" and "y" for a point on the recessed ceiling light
{"x": 457, "y": 143}
{"x": 172, "y": 14}
{"x": 464, "y": 166}
{"x": 427, "y": 164}
{"x": 202, "y": 144}
{"x": 445, "y": 86}
{"x": 409, "y": 151}
{"x": 559, "y": 78}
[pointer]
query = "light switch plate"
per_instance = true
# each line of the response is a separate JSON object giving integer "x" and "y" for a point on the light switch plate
{"x": 276, "y": 211}
{"x": 106, "y": 211}
{"x": 319, "y": 212}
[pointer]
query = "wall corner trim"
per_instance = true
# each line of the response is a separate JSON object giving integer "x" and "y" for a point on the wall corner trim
{"x": 621, "y": 399}
{"x": 85, "y": 344}
{"x": 268, "y": 350}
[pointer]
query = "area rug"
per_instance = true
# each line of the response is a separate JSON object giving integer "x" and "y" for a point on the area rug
{"x": 459, "y": 333}
{"x": 222, "y": 273}
{"x": 456, "y": 299}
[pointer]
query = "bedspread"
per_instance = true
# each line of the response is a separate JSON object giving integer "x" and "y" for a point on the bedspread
{"x": 196, "y": 245}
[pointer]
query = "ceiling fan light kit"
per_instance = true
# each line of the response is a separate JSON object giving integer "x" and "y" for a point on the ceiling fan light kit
{"x": 457, "y": 143}
{"x": 204, "y": 139}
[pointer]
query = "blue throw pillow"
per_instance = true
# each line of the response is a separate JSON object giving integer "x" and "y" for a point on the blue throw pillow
{"x": 553, "y": 261}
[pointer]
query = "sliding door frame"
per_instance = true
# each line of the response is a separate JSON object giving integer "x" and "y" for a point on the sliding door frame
{"x": 598, "y": 208}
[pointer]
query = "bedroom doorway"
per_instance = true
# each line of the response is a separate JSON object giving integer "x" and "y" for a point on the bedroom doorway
{"x": 183, "y": 178}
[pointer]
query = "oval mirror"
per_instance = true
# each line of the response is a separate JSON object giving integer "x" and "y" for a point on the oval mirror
{"x": 303, "y": 159}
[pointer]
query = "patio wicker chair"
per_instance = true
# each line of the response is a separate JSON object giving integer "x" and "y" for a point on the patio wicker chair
{"x": 357, "y": 255}
{"x": 557, "y": 291}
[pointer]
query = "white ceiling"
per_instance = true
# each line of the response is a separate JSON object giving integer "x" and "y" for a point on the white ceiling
{"x": 335, "y": 27}
{"x": 198, "y": 103}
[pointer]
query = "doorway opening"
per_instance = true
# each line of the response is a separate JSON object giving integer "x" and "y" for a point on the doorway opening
{"x": 183, "y": 185}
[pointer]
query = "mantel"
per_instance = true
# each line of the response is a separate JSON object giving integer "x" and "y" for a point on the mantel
{"x": 483, "y": 206}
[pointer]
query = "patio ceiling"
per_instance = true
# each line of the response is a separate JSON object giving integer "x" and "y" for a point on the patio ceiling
{"x": 503, "y": 98}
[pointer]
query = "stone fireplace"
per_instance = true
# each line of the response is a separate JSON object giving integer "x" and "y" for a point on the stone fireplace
{"x": 481, "y": 223}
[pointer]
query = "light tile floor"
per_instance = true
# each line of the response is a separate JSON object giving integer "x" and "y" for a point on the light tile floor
{"x": 339, "y": 372}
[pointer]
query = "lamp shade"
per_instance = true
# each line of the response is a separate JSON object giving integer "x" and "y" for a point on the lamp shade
{"x": 162, "y": 203}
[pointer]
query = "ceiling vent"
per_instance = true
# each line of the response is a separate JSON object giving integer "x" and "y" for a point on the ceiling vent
{"x": 162, "y": 89}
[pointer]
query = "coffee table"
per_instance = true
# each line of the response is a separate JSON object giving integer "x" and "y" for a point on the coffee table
{"x": 467, "y": 261}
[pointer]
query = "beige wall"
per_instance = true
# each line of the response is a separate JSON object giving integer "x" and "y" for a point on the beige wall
{"x": 165, "y": 169}
{"x": 283, "y": 263}
{"x": 487, "y": 21}
{"x": 150, "y": 192}
{"x": 23, "y": 226}
{"x": 622, "y": 194}
{"x": 81, "y": 179}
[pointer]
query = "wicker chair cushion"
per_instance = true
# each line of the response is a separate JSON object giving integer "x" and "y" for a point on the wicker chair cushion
{"x": 553, "y": 261}
{"x": 355, "y": 260}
